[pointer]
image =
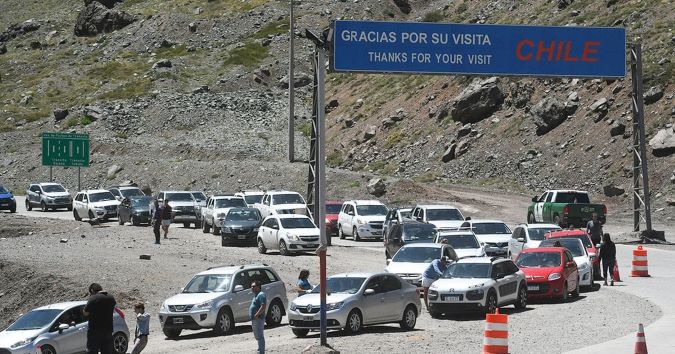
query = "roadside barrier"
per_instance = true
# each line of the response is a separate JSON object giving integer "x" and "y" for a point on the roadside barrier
{"x": 640, "y": 267}
{"x": 496, "y": 334}
{"x": 641, "y": 341}
{"x": 615, "y": 272}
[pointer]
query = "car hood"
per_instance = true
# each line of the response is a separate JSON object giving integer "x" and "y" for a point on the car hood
{"x": 242, "y": 224}
{"x": 533, "y": 243}
{"x": 289, "y": 206}
{"x": 191, "y": 299}
{"x": 180, "y": 204}
{"x": 371, "y": 218}
{"x": 105, "y": 203}
{"x": 459, "y": 284}
{"x": 447, "y": 224}
{"x": 57, "y": 194}
{"x": 315, "y": 299}
{"x": 304, "y": 232}
{"x": 494, "y": 238}
{"x": 141, "y": 208}
{"x": 535, "y": 273}
{"x": 217, "y": 211}
{"x": 5, "y": 195}
{"x": 7, "y": 338}
{"x": 467, "y": 252}
{"x": 406, "y": 268}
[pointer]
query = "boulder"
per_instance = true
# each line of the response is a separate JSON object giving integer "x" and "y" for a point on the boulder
{"x": 16, "y": 30}
{"x": 377, "y": 187}
{"x": 192, "y": 27}
{"x": 653, "y": 94}
{"x": 521, "y": 93}
{"x": 611, "y": 190}
{"x": 113, "y": 170}
{"x": 449, "y": 154}
{"x": 462, "y": 148}
{"x": 200, "y": 89}
{"x": 3, "y": 48}
{"x": 146, "y": 257}
{"x": 672, "y": 178}
{"x": 348, "y": 123}
{"x": 96, "y": 18}
{"x": 663, "y": 143}
{"x": 478, "y": 101}
{"x": 299, "y": 80}
{"x": 617, "y": 129}
{"x": 60, "y": 114}
{"x": 162, "y": 63}
{"x": 550, "y": 112}
{"x": 107, "y": 3}
{"x": 464, "y": 131}
{"x": 93, "y": 112}
{"x": 369, "y": 133}
{"x": 403, "y": 5}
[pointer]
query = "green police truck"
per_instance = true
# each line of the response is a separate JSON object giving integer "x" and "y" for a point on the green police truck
{"x": 566, "y": 208}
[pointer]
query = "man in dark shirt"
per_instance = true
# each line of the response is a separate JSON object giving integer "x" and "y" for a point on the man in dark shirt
{"x": 99, "y": 311}
{"x": 594, "y": 229}
{"x": 156, "y": 220}
{"x": 166, "y": 217}
{"x": 608, "y": 257}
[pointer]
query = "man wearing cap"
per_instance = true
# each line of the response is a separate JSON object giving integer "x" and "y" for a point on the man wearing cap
{"x": 434, "y": 271}
{"x": 257, "y": 313}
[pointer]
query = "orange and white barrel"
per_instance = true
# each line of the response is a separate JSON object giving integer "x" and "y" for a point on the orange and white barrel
{"x": 640, "y": 265}
{"x": 496, "y": 334}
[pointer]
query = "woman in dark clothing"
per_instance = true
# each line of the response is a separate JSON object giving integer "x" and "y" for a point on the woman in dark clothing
{"x": 608, "y": 258}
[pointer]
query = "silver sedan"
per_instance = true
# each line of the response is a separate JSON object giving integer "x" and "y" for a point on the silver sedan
{"x": 355, "y": 300}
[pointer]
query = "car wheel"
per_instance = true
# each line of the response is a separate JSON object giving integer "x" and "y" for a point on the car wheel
{"x": 224, "y": 322}
{"x": 47, "y": 349}
{"x": 135, "y": 221}
{"x": 409, "y": 318}
{"x": 91, "y": 215}
{"x": 355, "y": 234}
{"x": 28, "y": 206}
{"x": 76, "y": 216}
{"x": 205, "y": 227}
{"x": 186, "y": 225}
{"x": 215, "y": 230}
{"x": 491, "y": 303}
{"x": 283, "y": 250}
{"x": 563, "y": 296}
{"x": 575, "y": 293}
{"x": 274, "y": 314}
{"x": 198, "y": 225}
{"x": 13, "y": 210}
{"x": 341, "y": 234}
{"x": 222, "y": 241}
{"x": 530, "y": 218}
{"x": 261, "y": 247}
{"x": 70, "y": 207}
{"x": 354, "y": 322}
{"x": 120, "y": 220}
{"x": 171, "y": 333}
{"x": 300, "y": 332}
{"x": 43, "y": 207}
{"x": 521, "y": 302}
{"x": 120, "y": 343}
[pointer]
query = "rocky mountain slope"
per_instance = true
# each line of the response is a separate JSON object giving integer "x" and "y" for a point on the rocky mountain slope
{"x": 192, "y": 94}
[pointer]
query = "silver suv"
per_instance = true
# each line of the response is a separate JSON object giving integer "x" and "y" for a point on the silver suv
{"x": 48, "y": 196}
{"x": 219, "y": 297}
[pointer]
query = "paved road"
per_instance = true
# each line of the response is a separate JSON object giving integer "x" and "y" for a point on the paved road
{"x": 36, "y": 213}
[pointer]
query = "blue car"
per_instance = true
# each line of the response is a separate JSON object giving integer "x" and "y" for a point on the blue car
{"x": 7, "y": 201}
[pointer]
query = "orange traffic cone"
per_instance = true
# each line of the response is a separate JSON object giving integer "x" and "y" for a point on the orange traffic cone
{"x": 615, "y": 272}
{"x": 496, "y": 334}
{"x": 641, "y": 342}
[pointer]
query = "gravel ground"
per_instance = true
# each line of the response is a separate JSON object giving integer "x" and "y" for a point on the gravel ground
{"x": 109, "y": 255}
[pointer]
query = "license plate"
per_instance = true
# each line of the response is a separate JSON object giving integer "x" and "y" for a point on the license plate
{"x": 241, "y": 237}
{"x": 451, "y": 298}
{"x": 178, "y": 320}
{"x": 308, "y": 318}
{"x": 4, "y": 204}
{"x": 533, "y": 288}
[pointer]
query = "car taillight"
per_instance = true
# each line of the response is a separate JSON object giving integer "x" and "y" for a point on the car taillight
{"x": 566, "y": 209}
{"x": 119, "y": 312}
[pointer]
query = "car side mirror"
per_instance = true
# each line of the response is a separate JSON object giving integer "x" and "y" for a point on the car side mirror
{"x": 238, "y": 288}
{"x": 388, "y": 261}
{"x": 569, "y": 264}
{"x": 38, "y": 192}
{"x": 275, "y": 227}
{"x": 598, "y": 245}
{"x": 500, "y": 276}
{"x": 62, "y": 327}
{"x": 535, "y": 199}
{"x": 520, "y": 239}
{"x": 369, "y": 292}
{"x": 351, "y": 213}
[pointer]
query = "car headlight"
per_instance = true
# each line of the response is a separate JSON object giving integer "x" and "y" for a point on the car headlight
{"x": 334, "y": 306}
{"x": 293, "y": 237}
{"x": 22, "y": 343}
{"x": 11, "y": 197}
{"x": 255, "y": 229}
{"x": 226, "y": 230}
{"x": 205, "y": 305}
{"x": 583, "y": 267}
{"x": 554, "y": 276}
{"x": 475, "y": 294}
{"x": 360, "y": 221}
{"x": 433, "y": 294}
{"x": 293, "y": 306}
{"x": 220, "y": 215}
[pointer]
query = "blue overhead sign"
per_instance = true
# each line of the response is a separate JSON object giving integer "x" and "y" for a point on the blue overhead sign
{"x": 448, "y": 48}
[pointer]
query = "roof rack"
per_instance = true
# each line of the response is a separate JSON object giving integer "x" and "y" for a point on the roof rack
{"x": 220, "y": 266}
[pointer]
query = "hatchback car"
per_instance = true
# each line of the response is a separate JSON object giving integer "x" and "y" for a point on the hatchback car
{"x": 135, "y": 210}
{"x": 407, "y": 233}
{"x": 356, "y": 300}
{"x": 411, "y": 260}
{"x": 240, "y": 226}
{"x": 526, "y": 236}
{"x": 58, "y": 328}
{"x": 586, "y": 240}
{"x": 95, "y": 204}
{"x": 7, "y": 201}
{"x": 550, "y": 272}
{"x": 220, "y": 297}
{"x": 463, "y": 242}
{"x": 581, "y": 257}
{"x": 48, "y": 196}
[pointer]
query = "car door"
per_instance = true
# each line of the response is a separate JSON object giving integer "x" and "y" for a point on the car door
{"x": 348, "y": 225}
{"x": 394, "y": 298}
{"x": 501, "y": 282}
{"x": 515, "y": 246}
{"x": 275, "y": 232}
{"x": 546, "y": 212}
{"x": 342, "y": 218}
{"x": 82, "y": 206}
{"x": 241, "y": 300}
{"x": 33, "y": 194}
{"x": 539, "y": 208}
{"x": 374, "y": 306}
{"x": 395, "y": 240}
{"x": 508, "y": 285}
{"x": 263, "y": 231}
{"x": 572, "y": 272}
{"x": 124, "y": 210}
{"x": 69, "y": 340}
{"x": 208, "y": 211}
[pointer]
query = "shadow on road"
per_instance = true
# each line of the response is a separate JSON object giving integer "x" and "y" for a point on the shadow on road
{"x": 241, "y": 329}
{"x": 364, "y": 330}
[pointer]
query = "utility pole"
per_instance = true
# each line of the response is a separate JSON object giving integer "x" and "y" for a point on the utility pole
{"x": 291, "y": 88}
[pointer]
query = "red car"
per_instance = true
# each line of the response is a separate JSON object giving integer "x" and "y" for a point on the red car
{"x": 586, "y": 240}
{"x": 550, "y": 272}
{"x": 332, "y": 211}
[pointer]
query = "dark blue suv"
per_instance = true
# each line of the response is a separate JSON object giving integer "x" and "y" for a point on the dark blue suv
{"x": 7, "y": 201}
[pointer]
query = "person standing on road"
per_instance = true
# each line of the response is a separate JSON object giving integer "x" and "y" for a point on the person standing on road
{"x": 142, "y": 328}
{"x": 156, "y": 221}
{"x": 434, "y": 271}
{"x": 166, "y": 218}
{"x": 257, "y": 313}
{"x": 608, "y": 257}
{"x": 594, "y": 229}
{"x": 99, "y": 312}
{"x": 303, "y": 282}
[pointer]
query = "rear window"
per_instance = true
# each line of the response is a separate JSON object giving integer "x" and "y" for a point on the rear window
{"x": 444, "y": 214}
{"x": 539, "y": 233}
{"x": 571, "y": 198}
{"x": 419, "y": 232}
{"x": 333, "y": 208}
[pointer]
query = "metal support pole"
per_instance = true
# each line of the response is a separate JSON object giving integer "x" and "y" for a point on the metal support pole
{"x": 320, "y": 187}
{"x": 50, "y": 174}
{"x": 79, "y": 185}
{"x": 291, "y": 88}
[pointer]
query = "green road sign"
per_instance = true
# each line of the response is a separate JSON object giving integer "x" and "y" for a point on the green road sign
{"x": 61, "y": 149}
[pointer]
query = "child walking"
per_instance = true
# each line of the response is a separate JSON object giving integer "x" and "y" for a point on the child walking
{"x": 142, "y": 328}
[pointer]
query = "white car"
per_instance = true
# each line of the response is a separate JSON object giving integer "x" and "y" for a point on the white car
{"x": 528, "y": 236}
{"x": 478, "y": 284}
{"x": 355, "y": 300}
{"x": 289, "y": 233}
{"x": 216, "y": 210}
{"x": 58, "y": 328}
{"x": 184, "y": 207}
{"x": 362, "y": 219}
{"x": 495, "y": 234}
{"x": 251, "y": 197}
{"x": 412, "y": 260}
{"x": 444, "y": 217}
{"x": 220, "y": 297}
{"x": 121, "y": 192}
{"x": 583, "y": 260}
{"x": 282, "y": 202}
{"x": 48, "y": 196}
{"x": 95, "y": 204}
{"x": 464, "y": 243}
{"x": 395, "y": 216}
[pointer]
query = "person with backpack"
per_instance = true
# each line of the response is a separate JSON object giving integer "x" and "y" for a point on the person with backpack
{"x": 608, "y": 257}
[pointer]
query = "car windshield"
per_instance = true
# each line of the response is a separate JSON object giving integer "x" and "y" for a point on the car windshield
{"x": 371, "y": 210}
{"x": 444, "y": 214}
{"x": 35, "y": 319}
{"x": 297, "y": 223}
{"x": 417, "y": 254}
{"x": 468, "y": 270}
{"x": 230, "y": 203}
{"x": 571, "y": 244}
{"x": 333, "y": 208}
{"x": 538, "y": 260}
{"x": 538, "y": 234}
{"x": 485, "y": 228}
{"x": 572, "y": 198}
{"x": 291, "y": 198}
{"x": 126, "y": 193}
{"x": 199, "y": 195}
{"x": 141, "y": 202}
{"x": 3, "y": 190}
{"x": 53, "y": 188}
{"x": 252, "y": 199}
{"x": 419, "y": 232}
{"x": 584, "y": 239}
{"x": 243, "y": 215}
{"x": 180, "y": 197}
{"x": 460, "y": 241}
{"x": 101, "y": 197}
{"x": 208, "y": 283}
{"x": 341, "y": 285}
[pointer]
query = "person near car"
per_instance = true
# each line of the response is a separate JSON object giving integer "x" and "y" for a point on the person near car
{"x": 156, "y": 221}
{"x": 608, "y": 257}
{"x": 303, "y": 282}
{"x": 99, "y": 312}
{"x": 257, "y": 313}
{"x": 433, "y": 272}
{"x": 166, "y": 218}
{"x": 142, "y": 328}
{"x": 594, "y": 229}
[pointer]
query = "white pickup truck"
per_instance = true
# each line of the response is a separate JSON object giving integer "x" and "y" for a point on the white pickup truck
{"x": 282, "y": 202}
